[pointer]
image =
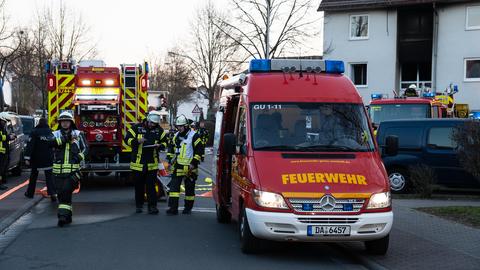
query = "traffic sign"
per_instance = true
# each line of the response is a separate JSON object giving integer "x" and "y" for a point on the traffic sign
{"x": 196, "y": 109}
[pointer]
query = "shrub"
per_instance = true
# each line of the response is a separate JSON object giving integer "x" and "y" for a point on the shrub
{"x": 467, "y": 138}
{"x": 422, "y": 177}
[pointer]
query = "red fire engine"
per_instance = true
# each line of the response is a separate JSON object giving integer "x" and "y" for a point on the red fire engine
{"x": 105, "y": 102}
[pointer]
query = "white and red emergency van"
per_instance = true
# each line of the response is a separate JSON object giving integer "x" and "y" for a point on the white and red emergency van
{"x": 296, "y": 159}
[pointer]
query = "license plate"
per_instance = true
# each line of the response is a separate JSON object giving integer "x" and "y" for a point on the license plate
{"x": 328, "y": 230}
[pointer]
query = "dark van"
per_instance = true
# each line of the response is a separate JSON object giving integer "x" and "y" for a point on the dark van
{"x": 424, "y": 141}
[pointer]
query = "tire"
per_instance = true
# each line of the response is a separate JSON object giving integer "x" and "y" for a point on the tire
{"x": 378, "y": 247}
{"x": 399, "y": 180}
{"x": 17, "y": 171}
{"x": 223, "y": 215}
{"x": 248, "y": 242}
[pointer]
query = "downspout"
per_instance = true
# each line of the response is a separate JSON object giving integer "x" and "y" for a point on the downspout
{"x": 435, "y": 48}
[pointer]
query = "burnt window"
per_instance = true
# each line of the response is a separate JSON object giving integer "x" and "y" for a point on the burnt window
{"x": 472, "y": 69}
{"x": 358, "y": 74}
{"x": 359, "y": 26}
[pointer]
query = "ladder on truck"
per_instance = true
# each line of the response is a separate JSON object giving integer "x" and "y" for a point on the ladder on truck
{"x": 130, "y": 96}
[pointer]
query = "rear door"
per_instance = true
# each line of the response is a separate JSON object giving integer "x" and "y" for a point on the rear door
{"x": 440, "y": 154}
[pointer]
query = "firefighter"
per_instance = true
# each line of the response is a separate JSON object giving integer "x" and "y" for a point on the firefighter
{"x": 146, "y": 138}
{"x": 69, "y": 151}
{"x": 184, "y": 157}
{"x": 203, "y": 133}
{"x": 4, "y": 139}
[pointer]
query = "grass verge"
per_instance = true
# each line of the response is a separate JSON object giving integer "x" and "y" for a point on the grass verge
{"x": 467, "y": 215}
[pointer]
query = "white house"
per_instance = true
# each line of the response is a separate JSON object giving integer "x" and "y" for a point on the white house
{"x": 196, "y": 99}
{"x": 389, "y": 44}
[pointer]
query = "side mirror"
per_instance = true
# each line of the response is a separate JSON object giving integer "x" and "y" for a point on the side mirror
{"x": 229, "y": 143}
{"x": 391, "y": 145}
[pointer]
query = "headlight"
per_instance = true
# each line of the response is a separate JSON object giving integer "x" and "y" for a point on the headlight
{"x": 379, "y": 200}
{"x": 269, "y": 199}
{"x": 109, "y": 82}
{"x": 86, "y": 82}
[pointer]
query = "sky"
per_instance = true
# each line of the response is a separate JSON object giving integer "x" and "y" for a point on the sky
{"x": 131, "y": 31}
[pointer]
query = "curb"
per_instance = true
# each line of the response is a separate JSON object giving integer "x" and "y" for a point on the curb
{"x": 10, "y": 219}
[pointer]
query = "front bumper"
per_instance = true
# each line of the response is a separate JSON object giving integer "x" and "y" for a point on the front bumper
{"x": 291, "y": 227}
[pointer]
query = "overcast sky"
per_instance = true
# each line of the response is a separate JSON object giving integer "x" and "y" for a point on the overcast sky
{"x": 130, "y": 31}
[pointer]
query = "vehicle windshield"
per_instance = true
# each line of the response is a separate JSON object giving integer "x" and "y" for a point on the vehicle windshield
{"x": 383, "y": 112}
{"x": 329, "y": 127}
{"x": 27, "y": 125}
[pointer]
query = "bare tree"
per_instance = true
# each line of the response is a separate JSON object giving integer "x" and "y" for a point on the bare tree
{"x": 10, "y": 42}
{"x": 68, "y": 33}
{"x": 173, "y": 76}
{"x": 211, "y": 54}
{"x": 269, "y": 28}
{"x": 467, "y": 138}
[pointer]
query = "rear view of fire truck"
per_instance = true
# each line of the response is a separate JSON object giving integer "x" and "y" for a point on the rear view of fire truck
{"x": 105, "y": 101}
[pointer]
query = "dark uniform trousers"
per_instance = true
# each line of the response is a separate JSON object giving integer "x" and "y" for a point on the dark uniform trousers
{"x": 176, "y": 182}
{"x": 33, "y": 181}
{"x": 65, "y": 185}
{"x": 145, "y": 179}
{"x": 3, "y": 168}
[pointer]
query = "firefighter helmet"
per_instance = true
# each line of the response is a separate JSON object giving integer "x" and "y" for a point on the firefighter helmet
{"x": 181, "y": 121}
{"x": 65, "y": 116}
{"x": 154, "y": 117}
{"x": 413, "y": 86}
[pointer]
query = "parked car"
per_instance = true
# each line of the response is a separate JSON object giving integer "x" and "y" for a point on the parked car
{"x": 14, "y": 126}
{"x": 28, "y": 123}
{"x": 425, "y": 141}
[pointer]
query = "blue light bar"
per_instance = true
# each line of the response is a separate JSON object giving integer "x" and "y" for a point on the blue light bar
{"x": 428, "y": 95}
{"x": 260, "y": 65}
{"x": 333, "y": 66}
{"x": 475, "y": 115}
{"x": 377, "y": 96}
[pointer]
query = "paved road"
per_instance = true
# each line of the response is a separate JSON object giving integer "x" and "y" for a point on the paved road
{"x": 106, "y": 234}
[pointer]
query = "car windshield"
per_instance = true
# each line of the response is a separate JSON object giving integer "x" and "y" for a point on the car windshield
{"x": 27, "y": 125}
{"x": 380, "y": 113}
{"x": 329, "y": 127}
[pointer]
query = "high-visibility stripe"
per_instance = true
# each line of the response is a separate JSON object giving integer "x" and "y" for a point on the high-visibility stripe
{"x": 67, "y": 154}
{"x": 65, "y": 206}
{"x": 174, "y": 194}
{"x": 189, "y": 198}
{"x": 197, "y": 142}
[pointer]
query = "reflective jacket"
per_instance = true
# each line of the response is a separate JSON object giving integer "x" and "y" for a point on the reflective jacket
{"x": 4, "y": 140}
{"x": 185, "y": 150}
{"x": 69, "y": 151}
{"x": 203, "y": 133}
{"x": 145, "y": 154}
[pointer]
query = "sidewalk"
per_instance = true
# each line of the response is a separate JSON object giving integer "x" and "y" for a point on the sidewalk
{"x": 422, "y": 241}
{"x": 13, "y": 203}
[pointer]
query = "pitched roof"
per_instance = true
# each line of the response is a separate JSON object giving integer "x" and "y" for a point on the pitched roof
{"x": 343, "y": 5}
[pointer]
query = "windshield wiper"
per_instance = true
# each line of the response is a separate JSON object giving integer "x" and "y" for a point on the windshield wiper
{"x": 278, "y": 147}
{"x": 317, "y": 147}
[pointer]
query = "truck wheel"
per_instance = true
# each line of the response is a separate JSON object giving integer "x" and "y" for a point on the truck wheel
{"x": 248, "y": 242}
{"x": 223, "y": 215}
{"x": 377, "y": 247}
{"x": 398, "y": 178}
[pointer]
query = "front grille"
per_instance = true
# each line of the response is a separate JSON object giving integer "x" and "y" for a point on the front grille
{"x": 315, "y": 206}
{"x": 327, "y": 220}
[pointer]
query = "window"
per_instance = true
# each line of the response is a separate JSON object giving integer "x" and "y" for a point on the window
{"x": 408, "y": 137}
{"x": 473, "y": 18}
{"x": 472, "y": 69}
{"x": 359, "y": 27}
{"x": 310, "y": 127}
{"x": 358, "y": 74}
{"x": 242, "y": 128}
{"x": 441, "y": 138}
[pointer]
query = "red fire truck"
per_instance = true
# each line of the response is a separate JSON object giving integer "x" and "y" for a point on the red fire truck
{"x": 381, "y": 108}
{"x": 296, "y": 159}
{"x": 105, "y": 102}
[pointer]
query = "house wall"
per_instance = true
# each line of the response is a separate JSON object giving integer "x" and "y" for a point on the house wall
{"x": 379, "y": 51}
{"x": 455, "y": 43}
{"x": 186, "y": 107}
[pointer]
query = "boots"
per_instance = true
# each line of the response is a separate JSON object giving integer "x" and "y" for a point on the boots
{"x": 188, "y": 207}
{"x": 64, "y": 220}
{"x": 173, "y": 206}
{"x": 152, "y": 210}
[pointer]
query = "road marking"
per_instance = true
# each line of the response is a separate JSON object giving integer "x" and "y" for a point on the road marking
{"x": 11, "y": 191}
